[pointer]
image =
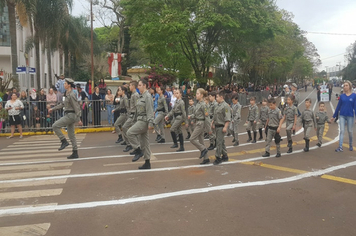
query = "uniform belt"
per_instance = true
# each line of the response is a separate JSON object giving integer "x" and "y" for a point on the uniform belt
{"x": 122, "y": 110}
{"x": 177, "y": 114}
{"x": 272, "y": 128}
{"x": 211, "y": 117}
{"x": 163, "y": 110}
{"x": 66, "y": 112}
{"x": 200, "y": 119}
{"x": 132, "y": 113}
{"x": 219, "y": 126}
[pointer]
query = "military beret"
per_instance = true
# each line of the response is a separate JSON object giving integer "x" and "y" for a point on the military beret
{"x": 69, "y": 81}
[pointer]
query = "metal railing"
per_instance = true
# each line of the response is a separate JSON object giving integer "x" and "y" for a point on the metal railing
{"x": 36, "y": 118}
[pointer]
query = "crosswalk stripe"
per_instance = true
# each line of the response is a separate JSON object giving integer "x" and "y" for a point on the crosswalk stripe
{"x": 49, "y": 154}
{"x": 42, "y": 141}
{"x": 33, "y": 206}
{"x": 29, "y": 161}
{"x": 47, "y": 137}
{"x": 57, "y": 144}
{"x": 30, "y": 194}
{"x": 49, "y": 166}
{"x": 54, "y": 147}
{"x": 32, "y": 183}
{"x": 28, "y": 230}
{"x": 32, "y": 174}
{"x": 21, "y": 152}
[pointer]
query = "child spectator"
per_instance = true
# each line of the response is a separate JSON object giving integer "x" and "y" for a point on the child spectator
{"x": 321, "y": 117}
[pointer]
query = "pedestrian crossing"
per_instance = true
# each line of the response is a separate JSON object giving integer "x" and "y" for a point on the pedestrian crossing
{"x": 18, "y": 161}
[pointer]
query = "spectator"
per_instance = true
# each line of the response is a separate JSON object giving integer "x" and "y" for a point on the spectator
{"x": 96, "y": 106}
{"x": 109, "y": 98}
{"x": 6, "y": 95}
{"x": 88, "y": 89}
{"x": 84, "y": 105}
{"x": 14, "y": 108}
{"x": 48, "y": 121}
{"x": 330, "y": 87}
{"x": 42, "y": 99}
{"x": 51, "y": 98}
{"x": 36, "y": 118}
{"x": 60, "y": 84}
{"x": 3, "y": 118}
{"x": 318, "y": 93}
{"x": 347, "y": 108}
{"x": 102, "y": 91}
{"x": 116, "y": 102}
{"x": 24, "y": 112}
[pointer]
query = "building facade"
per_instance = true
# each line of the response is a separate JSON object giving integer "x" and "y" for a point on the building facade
{"x": 23, "y": 33}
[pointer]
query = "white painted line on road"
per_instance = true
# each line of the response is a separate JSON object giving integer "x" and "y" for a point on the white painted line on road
{"x": 30, "y": 194}
{"x": 64, "y": 153}
{"x": 84, "y": 205}
{"x": 31, "y": 174}
{"x": 29, "y": 230}
{"x": 155, "y": 170}
{"x": 49, "y": 166}
{"x": 32, "y": 183}
{"x": 30, "y": 161}
{"x": 29, "y": 206}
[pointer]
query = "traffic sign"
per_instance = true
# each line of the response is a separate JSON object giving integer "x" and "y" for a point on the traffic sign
{"x": 32, "y": 70}
{"x": 22, "y": 70}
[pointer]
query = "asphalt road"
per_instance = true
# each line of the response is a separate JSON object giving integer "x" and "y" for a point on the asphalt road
{"x": 103, "y": 192}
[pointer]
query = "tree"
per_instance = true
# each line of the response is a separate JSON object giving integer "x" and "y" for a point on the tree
{"x": 349, "y": 72}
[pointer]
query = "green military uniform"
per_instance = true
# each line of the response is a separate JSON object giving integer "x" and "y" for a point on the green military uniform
{"x": 72, "y": 114}
{"x": 308, "y": 119}
{"x": 274, "y": 118}
{"x": 130, "y": 121}
{"x": 3, "y": 118}
{"x": 190, "y": 127}
{"x": 235, "y": 120}
{"x": 290, "y": 112}
{"x": 179, "y": 114}
{"x": 321, "y": 118}
{"x": 221, "y": 116}
{"x": 123, "y": 107}
{"x": 263, "y": 119}
{"x": 161, "y": 111}
{"x": 212, "y": 136}
{"x": 197, "y": 137}
{"x": 138, "y": 134}
{"x": 252, "y": 118}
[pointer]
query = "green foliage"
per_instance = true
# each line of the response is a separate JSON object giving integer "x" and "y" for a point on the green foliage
{"x": 349, "y": 72}
{"x": 108, "y": 38}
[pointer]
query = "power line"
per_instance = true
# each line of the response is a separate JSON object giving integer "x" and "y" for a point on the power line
{"x": 332, "y": 56}
{"x": 345, "y": 34}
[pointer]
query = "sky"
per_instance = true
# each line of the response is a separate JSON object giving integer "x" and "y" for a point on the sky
{"x": 324, "y": 16}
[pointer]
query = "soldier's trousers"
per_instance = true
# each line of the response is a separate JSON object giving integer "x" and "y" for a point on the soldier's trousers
{"x": 289, "y": 127}
{"x": 177, "y": 125}
{"x": 307, "y": 128}
{"x": 197, "y": 137}
{"x": 220, "y": 142}
{"x": 234, "y": 127}
{"x": 129, "y": 122}
{"x": 120, "y": 122}
{"x": 138, "y": 138}
{"x": 190, "y": 127}
{"x": 159, "y": 124}
{"x": 67, "y": 120}
{"x": 208, "y": 129}
{"x": 320, "y": 132}
{"x": 251, "y": 126}
{"x": 270, "y": 135}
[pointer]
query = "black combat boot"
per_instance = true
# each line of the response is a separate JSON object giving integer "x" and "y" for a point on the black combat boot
{"x": 290, "y": 145}
{"x": 162, "y": 140}
{"x": 236, "y": 144}
{"x": 181, "y": 142}
{"x": 188, "y": 137}
{"x": 233, "y": 140}
{"x": 203, "y": 153}
{"x": 133, "y": 152}
{"x": 128, "y": 148}
{"x": 266, "y": 154}
{"x": 205, "y": 161}
{"x": 306, "y": 149}
{"x": 217, "y": 161}
{"x": 290, "y": 142}
{"x": 249, "y": 136}
{"x": 174, "y": 138}
{"x": 63, "y": 145}
{"x": 260, "y": 131}
{"x": 225, "y": 158}
{"x": 145, "y": 166}
{"x": 138, "y": 155}
{"x": 123, "y": 143}
{"x": 119, "y": 140}
{"x": 74, "y": 155}
{"x": 254, "y": 137}
{"x": 211, "y": 147}
{"x": 158, "y": 137}
{"x": 278, "y": 155}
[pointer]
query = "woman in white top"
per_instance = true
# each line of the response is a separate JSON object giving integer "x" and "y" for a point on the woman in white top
{"x": 14, "y": 107}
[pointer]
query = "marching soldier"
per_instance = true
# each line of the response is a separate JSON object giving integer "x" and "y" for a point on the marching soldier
{"x": 132, "y": 111}
{"x": 321, "y": 118}
{"x": 190, "y": 112}
{"x": 252, "y": 118}
{"x": 72, "y": 114}
{"x": 197, "y": 138}
{"x": 123, "y": 107}
{"x": 221, "y": 120}
{"x": 263, "y": 118}
{"x": 274, "y": 124}
{"x": 161, "y": 111}
{"x": 179, "y": 114}
{"x": 308, "y": 119}
{"x": 138, "y": 133}
{"x": 212, "y": 105}
{"x": 290, "y": 115}
{"x": 236, "y": 118}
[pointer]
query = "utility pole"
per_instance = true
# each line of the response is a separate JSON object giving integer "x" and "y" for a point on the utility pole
{"x": 92, "y": 47}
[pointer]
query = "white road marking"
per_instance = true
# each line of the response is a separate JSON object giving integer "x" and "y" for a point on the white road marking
{"x": 84, "y": 205}
{"x": 33, "y": 146}
{"x": 29, "y": 206}
{"x": 32, "y": 174}
{"x": 30, "y": 194}
{"x": 49, "y": 154}
{"x": 30, "y": 161}
{"x": 32, "y": 183}
{"x": 49, "y": 166}
{"x": 28, "y": 230}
